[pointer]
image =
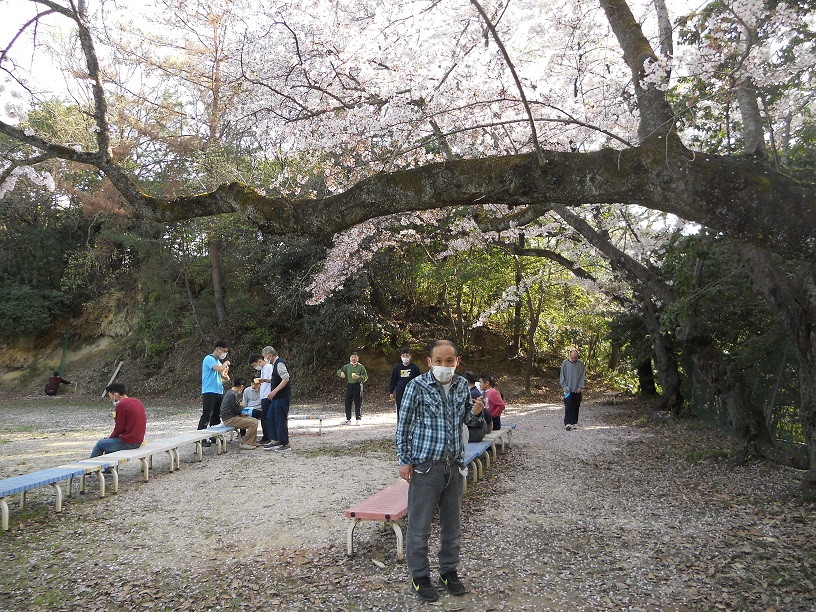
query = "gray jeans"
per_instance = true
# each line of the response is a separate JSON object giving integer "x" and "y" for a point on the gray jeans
{"x": 434, "y": 485}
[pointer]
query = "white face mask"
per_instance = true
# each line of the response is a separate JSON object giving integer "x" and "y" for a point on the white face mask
{"x": 443, "y": 374}
{"x": 258, "y": 368}
{"x": 406, "y": 360}
{"x": 223, "y": 356}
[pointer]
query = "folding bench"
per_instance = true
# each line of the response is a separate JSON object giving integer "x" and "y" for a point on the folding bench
{"x": 474, "y": 451}
{"x": 219, "y": 432}
{"x": 310, "y": 417}
{"x": 387, "y": 506}
{"x": 26, "y": 482}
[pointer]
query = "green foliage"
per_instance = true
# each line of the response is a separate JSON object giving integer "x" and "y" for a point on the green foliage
{"x": 28, "y": 312}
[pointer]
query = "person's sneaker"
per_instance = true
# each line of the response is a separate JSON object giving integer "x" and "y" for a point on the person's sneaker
{"x": 575, "y": 425}
{"x": 357, "y": 422}
{"x": 206, "y": 443}
{"x": 282, "y": 447}
{"x": 270, "y": 446}
{"x": 346, "y": 422}
{"x": 263, "y": 441}
{"x": 568, "y": 426}
{"x": 450, "y": 580}
{"x": 243, "y": 446}
{"x": 424, "y": 589}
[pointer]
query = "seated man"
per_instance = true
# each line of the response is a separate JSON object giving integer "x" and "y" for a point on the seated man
{"x": 231, "y": 414}
{"x": 53, "y": 384}
{"x": 130, "y": 423}
{"x": 252, "y": 400}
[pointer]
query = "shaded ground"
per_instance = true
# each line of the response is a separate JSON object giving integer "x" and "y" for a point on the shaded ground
{"x": 620, "y": 514}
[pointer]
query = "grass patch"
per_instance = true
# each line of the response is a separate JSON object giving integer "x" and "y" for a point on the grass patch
{"x": 707, "y": 454}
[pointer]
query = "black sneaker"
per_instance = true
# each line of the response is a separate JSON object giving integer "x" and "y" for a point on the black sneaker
{"x": 423, "y": 587}
{"x": 206, "y": 443}
{"x": 450, "y": 580}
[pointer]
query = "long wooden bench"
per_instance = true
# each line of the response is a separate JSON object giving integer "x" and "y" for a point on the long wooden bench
{"x": 386, "y": 506}
{"x": 503, "y": 436}
{"x": 28, "y": 482}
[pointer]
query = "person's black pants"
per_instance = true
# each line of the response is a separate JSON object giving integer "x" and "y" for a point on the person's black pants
{"x": 210, "y": 410}
{"x": 571, "y": 405}
{"x": 354, "y": 393}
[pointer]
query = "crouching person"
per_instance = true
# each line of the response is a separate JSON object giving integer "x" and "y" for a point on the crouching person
{"x": 231, "y": 414}
{"x": 129, "y": 426}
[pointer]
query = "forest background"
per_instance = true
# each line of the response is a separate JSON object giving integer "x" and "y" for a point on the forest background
{"x": 327, "y": 177}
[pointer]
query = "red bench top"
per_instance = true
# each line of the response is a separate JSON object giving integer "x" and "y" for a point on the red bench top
{"x": 389, "y": 504}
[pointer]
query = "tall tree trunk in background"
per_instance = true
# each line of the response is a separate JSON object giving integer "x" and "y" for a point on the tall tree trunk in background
{"x": 793, "y": 299}
{"x": 218, "y": 291}
{"x": 646, "y": 379}
{"x": 753, "y": 132}
{"x": 517, "y": 307}
{"x": 668, "y": 372}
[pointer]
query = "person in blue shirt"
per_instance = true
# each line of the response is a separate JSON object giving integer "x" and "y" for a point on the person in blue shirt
{"x": 213, "y": 368}
{"x": 430, "y": 443}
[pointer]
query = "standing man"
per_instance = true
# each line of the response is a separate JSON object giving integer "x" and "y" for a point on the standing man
{"x": 431, "y": 448}
{"x": 130, "y": 423}
{"x": 355, "y": 375}
{"x": 212, "y": 386}
{"x": 231, "y": 414}
{"x": 403, "y": 373}
{"x": 279, "y": 396}
{"x": 262, "y": 364}
{"x": 573, "y": 379}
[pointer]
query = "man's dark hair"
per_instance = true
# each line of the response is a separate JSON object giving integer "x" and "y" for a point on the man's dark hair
{"x": 255, "y": 357}
{"x": 239, "y": 381}
{"x": 56, "y": 373}
{"x": 438, "y": 343}
{"x": 116, "y": 388}
{"x": 404, "y": 350}
{"x": 221, "y": 344}
{"x": 354, "y": 353}
{"x": 470, "y": 377}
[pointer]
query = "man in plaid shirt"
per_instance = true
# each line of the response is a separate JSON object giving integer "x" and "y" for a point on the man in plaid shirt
{"x": 431, "y": 447}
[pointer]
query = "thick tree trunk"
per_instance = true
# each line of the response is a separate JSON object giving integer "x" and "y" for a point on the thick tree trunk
{"x": 668, "y": 372}
{"x": 793, "y": 299}
{"x": 646, "y": 379}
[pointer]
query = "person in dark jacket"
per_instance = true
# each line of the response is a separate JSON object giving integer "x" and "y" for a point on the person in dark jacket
{"x": 53, "y": 384}
{"x": 403, "y": 373}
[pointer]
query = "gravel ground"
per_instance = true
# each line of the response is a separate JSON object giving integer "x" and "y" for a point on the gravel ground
{"x": 622, "y": 514}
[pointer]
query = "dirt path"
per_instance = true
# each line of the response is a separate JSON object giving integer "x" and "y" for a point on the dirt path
{"x": 616, "y": 515}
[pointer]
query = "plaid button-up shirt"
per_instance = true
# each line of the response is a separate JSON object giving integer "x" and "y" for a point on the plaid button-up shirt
{"x": 430, "y": 425}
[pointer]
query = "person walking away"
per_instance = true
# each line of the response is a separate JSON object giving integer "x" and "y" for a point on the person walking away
{"x": 130, "y": 423}
{"x": 403, "y": 373}
{"x": 280, "y": 396}
{"x": 493, "y": 399}
{"x": 573, "y": 379}
{"x": 231, "y": 414}
{"x": 354, "y": 373}
{"x": 213, "y": 368}
{"x": 53, "y": 384}
{"x": 430, "y": 444}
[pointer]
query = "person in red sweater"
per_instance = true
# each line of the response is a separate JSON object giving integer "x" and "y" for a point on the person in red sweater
{"x": 129, "y": 428}
{"x": 493, "y": 399}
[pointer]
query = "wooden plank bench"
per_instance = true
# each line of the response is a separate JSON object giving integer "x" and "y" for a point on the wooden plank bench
{"x": 310, "y": 417}
{"x": 503, "y": 436}
{"x": 474, "y": 452}
{"x": 387, "y": 506}
{"x": 27, "y": 482}
{"x": 612, "y": 395}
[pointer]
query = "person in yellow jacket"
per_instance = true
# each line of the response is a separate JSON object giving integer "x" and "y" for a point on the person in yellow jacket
{"x": 354, "y": 373}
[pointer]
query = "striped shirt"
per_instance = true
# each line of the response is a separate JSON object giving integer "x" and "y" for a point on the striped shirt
{"x": 430, "y": 424}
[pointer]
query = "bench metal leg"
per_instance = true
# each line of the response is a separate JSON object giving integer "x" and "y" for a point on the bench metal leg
{"x": 101, "y": 483}
{"x": 3, "y": 514}
{"x": 171, "y": 455}
{"x": 115, "y": 475}
{"x": 350, "y": 538}
{"x": 58, "y": 493}
{"x": 23, "y": 500}
{"x": 400, "y": 548}
{"x": 493, "y": 449}
{"x": 145, "y": 468}
{"x": 199, "y": 450}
